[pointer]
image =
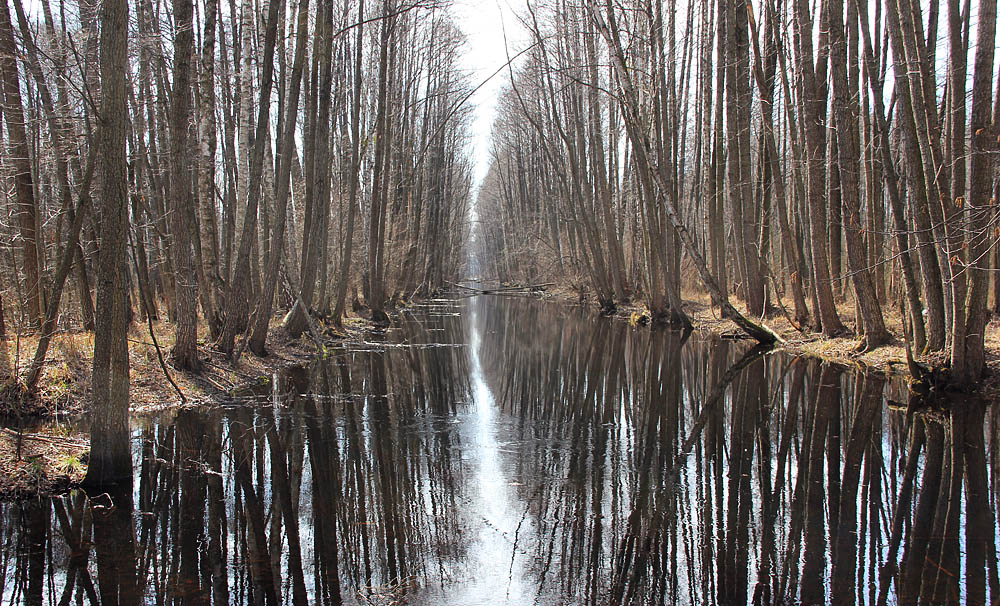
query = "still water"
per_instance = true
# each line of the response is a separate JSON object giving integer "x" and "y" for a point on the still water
{"x": 507, "y": 451}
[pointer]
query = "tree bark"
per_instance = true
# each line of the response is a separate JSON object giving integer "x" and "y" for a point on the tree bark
{"x": 738, "y": 101}
{"x": 265, "y": 301}
{"x": 716, "y": 195}
{"x": 237, "y": 299}
{"x": 185, "y": 350}
{"x": 208, "y": 233}
{"x": 969, "y": 362}
{"x": 765, "y": 86}
{"x": 383, "y": 136}
{"x": 314, "y": 224}
{"x": 813, "y": 107}
{"x": 918, "y": 190}
{"x": 881, "y": 132}
{"x": 110, "y": 451}
{"x": 849, "y": 152}
{"x": 355, "y": 175}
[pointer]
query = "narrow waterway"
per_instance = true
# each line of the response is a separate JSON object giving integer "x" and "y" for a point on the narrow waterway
{"x": 509, "y": 451}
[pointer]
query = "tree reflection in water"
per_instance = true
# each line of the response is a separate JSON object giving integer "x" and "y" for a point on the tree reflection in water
{"x": 521, "y": 451}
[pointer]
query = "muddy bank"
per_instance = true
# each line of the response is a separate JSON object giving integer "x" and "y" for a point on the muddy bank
{"x": 44, "y": 439}
{"x": 889, "y": 359}
{"x": 53, "y": 454}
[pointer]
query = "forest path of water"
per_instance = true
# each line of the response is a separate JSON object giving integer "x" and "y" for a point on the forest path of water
{"x": 507, "y": 451}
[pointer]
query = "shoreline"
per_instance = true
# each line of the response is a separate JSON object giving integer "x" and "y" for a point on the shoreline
{"x": 48, "y": 456}
{"x": 888, "y": 359}
{"x": 54, "y": 448}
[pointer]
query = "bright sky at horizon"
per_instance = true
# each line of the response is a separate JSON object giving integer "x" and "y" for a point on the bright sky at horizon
{"x": 485, "y": 23}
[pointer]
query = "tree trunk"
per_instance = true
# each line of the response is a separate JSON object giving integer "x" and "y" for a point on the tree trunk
{"x": 881, "y": 132}
{"x": 765, "y": 87}
{"x": 313, "y": 245}
{"x": 383, "y": 135}
{"x": 265, "y": 301}
{"x": 846, "y": 121}
{"x": 603, "y": 190}
{"x": 716, "y": 195}
{"x": 211, "y": 289}
{"x": 237, "y": 299}
{"x": 110, "y": 446}
{"x": 813, "y": 106}
{"x": 185, "y": 350}
{"x": 84, "y": 289}
{"x": 738, "y": 101}
{"x": 917, "y": 188}
{"x": 355, "y": 176}
{"x": 969, "y": 363}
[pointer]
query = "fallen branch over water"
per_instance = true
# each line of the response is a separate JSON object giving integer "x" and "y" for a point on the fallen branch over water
{"x": 528, "y": 288}
{"x": 55, "y": 440}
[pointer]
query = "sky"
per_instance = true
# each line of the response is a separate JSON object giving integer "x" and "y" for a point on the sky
{"x": 484, "y": 23}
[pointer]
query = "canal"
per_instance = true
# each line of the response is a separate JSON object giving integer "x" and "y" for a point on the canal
{"x": 503, "y": 450}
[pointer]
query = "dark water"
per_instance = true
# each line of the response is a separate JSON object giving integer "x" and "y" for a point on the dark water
{"x": 506, "y": 451}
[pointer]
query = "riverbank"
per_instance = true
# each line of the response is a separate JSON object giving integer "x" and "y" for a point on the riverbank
{"x": 889, "y": 359}
{"x": 49, "y": 455}
{"x": 44, "y": 442}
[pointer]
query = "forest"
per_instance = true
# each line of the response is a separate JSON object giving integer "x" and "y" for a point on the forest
{"x": 791, "y": 158}
{"x": 216, "y": 167}
{"x": 207, "y": 165}
{"x": 273, "y": 330}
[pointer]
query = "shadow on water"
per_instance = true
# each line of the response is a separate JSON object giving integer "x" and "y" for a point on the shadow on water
{"x": 506, "y": 451}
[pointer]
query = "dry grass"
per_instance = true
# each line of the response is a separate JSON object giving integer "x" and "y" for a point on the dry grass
{"x": 64, "y": 387}
{"x": 41, "y": 462}
{"x": 52, "y": 456}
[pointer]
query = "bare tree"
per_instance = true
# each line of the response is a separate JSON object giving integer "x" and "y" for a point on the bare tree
{"x": 182, "y": 208}
{"x": 111, "y": 452}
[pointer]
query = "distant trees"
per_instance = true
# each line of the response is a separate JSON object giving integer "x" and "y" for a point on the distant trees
{"x": 18, "y": 154}
{"x": 787, "y": 138}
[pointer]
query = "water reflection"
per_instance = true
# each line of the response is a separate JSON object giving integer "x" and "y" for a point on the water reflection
{"x": 521, "y": 452}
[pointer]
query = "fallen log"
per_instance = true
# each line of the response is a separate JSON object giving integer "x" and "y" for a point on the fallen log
{"x": 504, "y": 289}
